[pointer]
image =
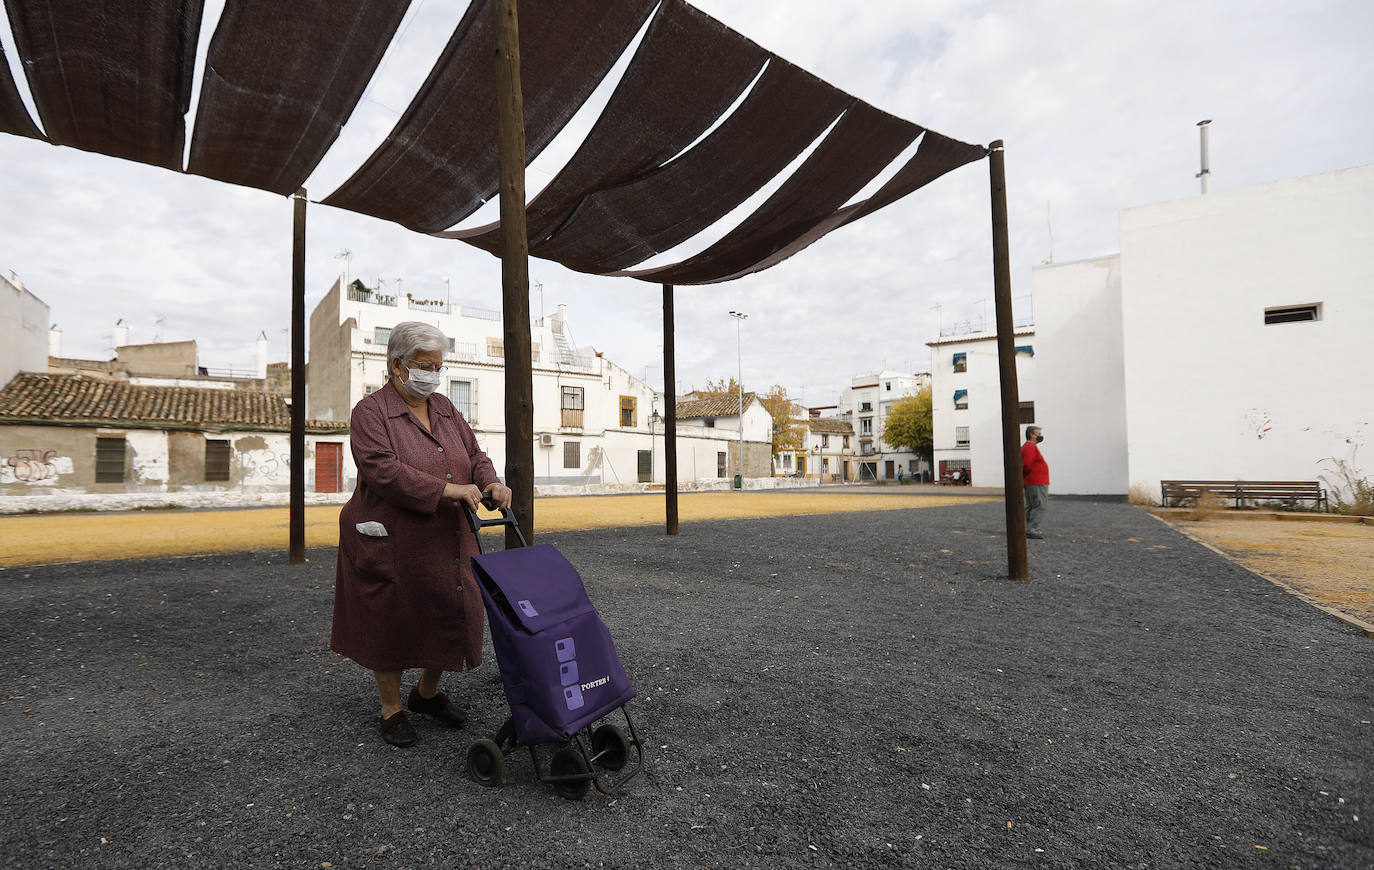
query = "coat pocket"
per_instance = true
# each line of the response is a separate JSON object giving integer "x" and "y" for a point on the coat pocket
{"x": 373, "y": 557}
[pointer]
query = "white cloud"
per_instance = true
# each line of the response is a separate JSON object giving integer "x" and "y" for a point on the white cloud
{"x": 1096, "y": 102}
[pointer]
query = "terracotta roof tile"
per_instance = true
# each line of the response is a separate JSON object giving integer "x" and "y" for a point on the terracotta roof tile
{"x": 830, "y": 425}
{"x": 96, "y": 401}
{"x": 715, "y": 406}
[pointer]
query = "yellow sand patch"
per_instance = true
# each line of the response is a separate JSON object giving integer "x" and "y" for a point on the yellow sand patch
{"x": 40, "y": 540}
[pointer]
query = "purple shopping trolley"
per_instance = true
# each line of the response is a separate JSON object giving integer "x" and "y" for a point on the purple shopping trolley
{"x": 559, "y": 669}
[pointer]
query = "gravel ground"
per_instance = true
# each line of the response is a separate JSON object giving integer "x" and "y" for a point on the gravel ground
{"x": 840, "y": 691}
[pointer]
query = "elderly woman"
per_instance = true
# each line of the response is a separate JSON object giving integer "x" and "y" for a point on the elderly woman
{"x": 404, "y": 594}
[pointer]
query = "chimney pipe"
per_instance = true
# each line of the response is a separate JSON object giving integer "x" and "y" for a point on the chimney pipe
{"x": 262, "y": 355}
{"x": 1206, "y": 170}
{"x": 55, "y": 341}
{"x": 121, "y": 333}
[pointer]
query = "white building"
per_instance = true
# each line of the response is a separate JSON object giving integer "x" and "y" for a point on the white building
{"x": 966, "y": 402}
{"x": 594, "y": 422}
{"x": 865, "y": 405}
{"x": 1226, "y": 341}
{"x": 826, "y": 454}
{"x": 710, "y": 419}
{"x": 23, "y": 330}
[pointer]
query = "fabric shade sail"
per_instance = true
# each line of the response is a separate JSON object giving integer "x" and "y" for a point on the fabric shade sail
{"x": 701, "y": 120}
{"x": 280, "y": 81}
{"x": 14, "y": 118}
{"x": 112, "y": 77}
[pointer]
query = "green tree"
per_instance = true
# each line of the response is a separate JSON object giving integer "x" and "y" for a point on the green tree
{"x": 909, "y": 425}
{"x": 722, "y": 387}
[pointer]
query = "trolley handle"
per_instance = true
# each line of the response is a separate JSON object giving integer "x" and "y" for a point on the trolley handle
{"x": 476, "y": 523}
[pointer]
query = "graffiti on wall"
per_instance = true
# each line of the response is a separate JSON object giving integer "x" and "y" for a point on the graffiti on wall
{"x": 34, "y": 466}
{"x": 264, "y": 466}
{"x": 1258, "y": 422}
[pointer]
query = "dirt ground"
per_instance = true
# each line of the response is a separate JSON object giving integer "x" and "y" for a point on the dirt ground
{"x": 1331, "y": 563}
{"x": 81, "y": 537}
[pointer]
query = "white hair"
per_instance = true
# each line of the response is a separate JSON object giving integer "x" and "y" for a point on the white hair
{"x": 411, "y": 337}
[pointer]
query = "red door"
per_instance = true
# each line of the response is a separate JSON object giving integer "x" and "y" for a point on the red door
{"x": 328, "y": 466}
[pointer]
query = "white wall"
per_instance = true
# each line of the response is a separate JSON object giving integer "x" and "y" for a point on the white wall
{"x": 984, "y": 413}
{"x": 1080, "y": 387}
{"x": 23, "y": 331}
{"x": 1213, "y": 392}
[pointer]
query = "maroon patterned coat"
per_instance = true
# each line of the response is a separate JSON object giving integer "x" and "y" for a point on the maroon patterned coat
{"x": 408, "y": 599}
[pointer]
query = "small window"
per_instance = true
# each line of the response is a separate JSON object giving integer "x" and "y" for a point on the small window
{"x": 865, "y": 406}
{"x": 381, "y": 335}
{"x": 460, "y": 394}
{"x": 960, "y": 436}
{"x": 496, "y": 348}
{"x": 574, "y": 399}
{"x": 846, "y": 442}
{"x": 960, "y": 400}
{"x": 645, "y": 465}
{"x": 572, "y": 454}
{"x": 710, "y": 422}
{"x": 888, "y": 386}
{"x": 369, "y": 389}
{"x": 452, "y": 346}
{"x": 109, "y": 460}
{"x": 1293, "y": 313}
{"x": 787, "y": 460}
{"x": 1025, "y": 350}
{"x": 961, "y": 362}
{"x": 825, "y": 440}
{"x": 216, "y": 460}
{"x": 1027, "y": 412}
{"x": 866, "y": 426}
{"x": 825, "y": 464}
{"x": 627, "y": 412}
{"x": 720, "y": 464}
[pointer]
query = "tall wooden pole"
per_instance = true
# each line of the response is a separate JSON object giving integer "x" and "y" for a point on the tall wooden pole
{"x": 1018, "y": 565}
{"x": 297, "y": 519}
{"x": 515, "y": 273}
{"x": 670, "y": 415}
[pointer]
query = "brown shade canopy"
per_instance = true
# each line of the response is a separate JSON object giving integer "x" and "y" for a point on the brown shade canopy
{"x": 701, "y": 120}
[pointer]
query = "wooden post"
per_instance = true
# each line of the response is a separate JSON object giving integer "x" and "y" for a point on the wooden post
{"x": 670, "y": 415}
{"x": 1018, "y": 565}
{"x": 515, "y": 275}
{"x": 297, "y": 518}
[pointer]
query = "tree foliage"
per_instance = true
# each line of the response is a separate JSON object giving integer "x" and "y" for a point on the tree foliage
{"x": 715, "y": 389}
{"x": 789, "y": 419}
{"x": 910, "y": 426}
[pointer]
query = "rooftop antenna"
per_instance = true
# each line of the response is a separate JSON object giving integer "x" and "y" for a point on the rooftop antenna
{"x": 1206, "y": 169}
{"x": 346, "y": 255}
{"x": 161, "y": 322}
{"x": 939, "y": 310}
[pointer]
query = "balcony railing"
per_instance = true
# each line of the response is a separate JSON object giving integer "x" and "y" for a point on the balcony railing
{"x": 572, "y": 418}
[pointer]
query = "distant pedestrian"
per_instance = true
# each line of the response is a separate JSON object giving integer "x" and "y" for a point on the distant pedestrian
{"x": 1035, "y": 476}
{"x": 404, "y": 594}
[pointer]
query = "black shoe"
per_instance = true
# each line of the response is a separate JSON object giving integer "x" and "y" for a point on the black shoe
{"x": 439, "y": 707}
{"x": 397, "y": 730}
{"x": 1035, "y": 536}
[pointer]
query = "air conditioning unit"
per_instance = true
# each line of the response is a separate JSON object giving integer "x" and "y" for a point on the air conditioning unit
{"x": 545, "y": 439}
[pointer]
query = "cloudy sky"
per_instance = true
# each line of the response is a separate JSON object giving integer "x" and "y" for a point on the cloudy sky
{"x": 1097, "y": 102}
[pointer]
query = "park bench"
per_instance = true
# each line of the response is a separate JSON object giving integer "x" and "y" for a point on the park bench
{"x": 1241, "y": 491}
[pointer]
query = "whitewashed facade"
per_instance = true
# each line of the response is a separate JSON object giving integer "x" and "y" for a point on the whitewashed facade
{"x": 865, "y": 405}
{"x": 23, "y": 330}
{"x": 593, "y": 421}
{"x": 1244, "y": 320}
{"x": 966, "y": 402}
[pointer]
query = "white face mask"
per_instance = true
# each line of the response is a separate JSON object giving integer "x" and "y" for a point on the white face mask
{"x": 421, "y": 382}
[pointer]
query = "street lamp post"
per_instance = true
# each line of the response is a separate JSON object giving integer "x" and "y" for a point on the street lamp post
{"x": 739, "y": 384}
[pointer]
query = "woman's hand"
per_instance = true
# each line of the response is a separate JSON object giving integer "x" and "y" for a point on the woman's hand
{"x": 465, "y": 492}
{"x": 499, "y": 495}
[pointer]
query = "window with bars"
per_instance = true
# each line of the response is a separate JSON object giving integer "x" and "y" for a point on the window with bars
{"x": 109, "y": 460}
{"x": 216, "y": 459}
{"x": 573, "y": 402}
{"x": 960, "y": 436}
{"x": 572, "y": 454}
{"x": 1027, "y": 412}
{"x": 720, "y": 464}
{"x": 463, "y": 395}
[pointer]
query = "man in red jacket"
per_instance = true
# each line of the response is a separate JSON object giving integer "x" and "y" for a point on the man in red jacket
{"x": 1035, "y": 476}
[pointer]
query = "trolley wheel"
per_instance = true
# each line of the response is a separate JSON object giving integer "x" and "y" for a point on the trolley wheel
{"x": 569, "y": 762}
{"x": 610, "y": 747}
{"x": 486, "y": 764}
